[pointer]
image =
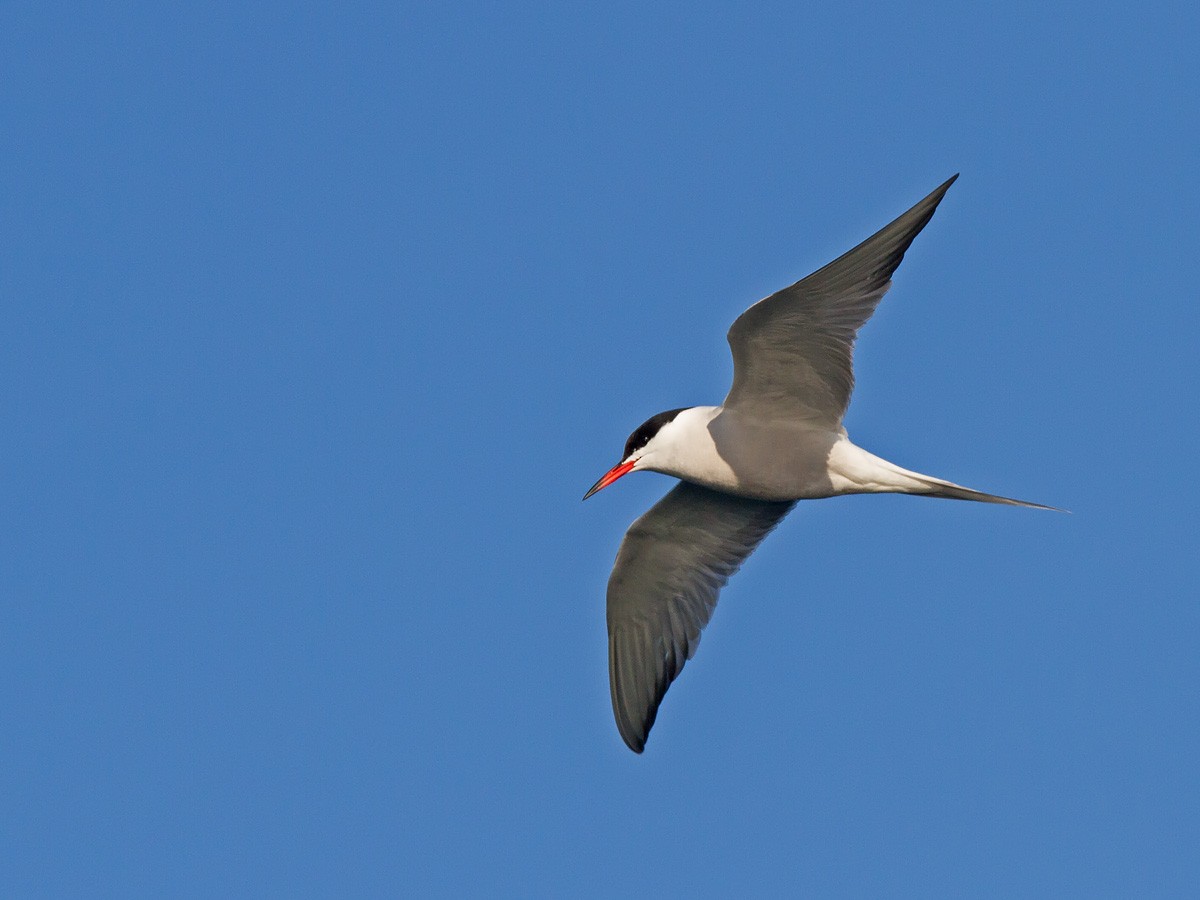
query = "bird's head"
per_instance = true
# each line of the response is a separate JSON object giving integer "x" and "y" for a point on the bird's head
{"x": 647, "y": 439}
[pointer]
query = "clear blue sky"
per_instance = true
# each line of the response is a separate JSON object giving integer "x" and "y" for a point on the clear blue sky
{"x": 317, "y": 323}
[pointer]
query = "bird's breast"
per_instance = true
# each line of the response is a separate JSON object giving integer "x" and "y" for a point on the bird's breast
{"x": 748, "y": 457}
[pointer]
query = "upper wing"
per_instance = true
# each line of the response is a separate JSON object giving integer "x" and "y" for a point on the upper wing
{"x": 673, "y": 562}
{"x": 793, "y": 351}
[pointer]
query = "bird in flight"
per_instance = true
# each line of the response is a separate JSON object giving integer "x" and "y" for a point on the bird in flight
{"x": 778, "y": 438}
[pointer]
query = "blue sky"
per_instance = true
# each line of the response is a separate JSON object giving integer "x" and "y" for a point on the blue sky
{"x": 318, "y": 323}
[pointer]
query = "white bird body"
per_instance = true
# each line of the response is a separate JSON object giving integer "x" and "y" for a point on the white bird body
{"x": 778, "y": 438}
{"x": 780, "y": 459}
{"x": 743, "y": 455}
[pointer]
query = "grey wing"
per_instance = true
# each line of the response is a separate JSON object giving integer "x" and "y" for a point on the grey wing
{"x": 672, "y": 564}
{"x": 793, "y": 352}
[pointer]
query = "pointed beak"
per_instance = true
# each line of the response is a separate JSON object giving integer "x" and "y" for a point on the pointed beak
{"x": 610, "y": 476}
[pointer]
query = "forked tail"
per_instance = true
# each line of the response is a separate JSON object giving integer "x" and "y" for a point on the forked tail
{"x": 865, "y": 472}
{"x": 936, "y": 487}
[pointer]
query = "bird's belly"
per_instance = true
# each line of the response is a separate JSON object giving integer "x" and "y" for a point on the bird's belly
{"x": 771, "y": 461}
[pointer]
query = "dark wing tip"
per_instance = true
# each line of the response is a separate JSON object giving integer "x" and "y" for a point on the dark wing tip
{"x": 876, "y": 258}
{"x": 633, "y": 710}
{"x": 940, "y": 191}
{"x": 634, "y": 729}
{"x": 922, "y": 212}
{"x": 869, "y": 265}
{"x": 633, "y": 742}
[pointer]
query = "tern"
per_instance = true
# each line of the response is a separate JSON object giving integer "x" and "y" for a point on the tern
{"x": 777, "y": 439}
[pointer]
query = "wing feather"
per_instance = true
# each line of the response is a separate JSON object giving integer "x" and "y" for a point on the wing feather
{"x": 793, "y": 351}
{"x": 672, "y": 564}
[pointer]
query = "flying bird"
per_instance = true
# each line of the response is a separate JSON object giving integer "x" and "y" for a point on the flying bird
{"x": 778, "y": 438}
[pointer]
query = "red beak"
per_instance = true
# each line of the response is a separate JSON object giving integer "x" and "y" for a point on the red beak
{"x": 610, "y": 476}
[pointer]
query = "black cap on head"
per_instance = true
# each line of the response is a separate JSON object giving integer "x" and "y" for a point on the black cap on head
{"x": 648, "y": 429}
